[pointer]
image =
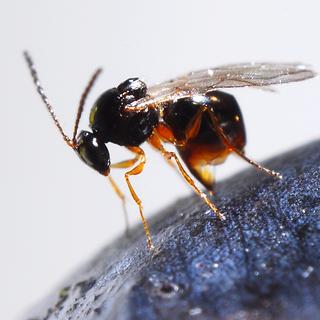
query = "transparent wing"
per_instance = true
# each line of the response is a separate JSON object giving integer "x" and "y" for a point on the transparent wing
{"x": 228, "y": 76}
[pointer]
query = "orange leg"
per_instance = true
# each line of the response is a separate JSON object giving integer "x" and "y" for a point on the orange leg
{"x": 191, "y": 131}
{"x": 125, "y": 164}
{"x": 166, "y": 134}
{"x": 194, "y": 125}
{"x": 155, "y": 141}
{"x": 121, "y": 195}
{"x": 202, "y": 172}
{"x": 239, "y": 152}
{"x": 122, "y": 165}
{"x": 141, "y": 159}
{"x": 135, "y": 171}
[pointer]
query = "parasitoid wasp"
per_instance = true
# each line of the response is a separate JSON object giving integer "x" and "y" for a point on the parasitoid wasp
{"x": 203, "y": 123}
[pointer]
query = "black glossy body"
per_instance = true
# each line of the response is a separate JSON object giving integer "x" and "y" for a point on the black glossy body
{"x": 111, "y": 124}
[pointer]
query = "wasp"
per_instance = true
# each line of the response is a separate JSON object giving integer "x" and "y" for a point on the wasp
{"x": 190, "y": 112}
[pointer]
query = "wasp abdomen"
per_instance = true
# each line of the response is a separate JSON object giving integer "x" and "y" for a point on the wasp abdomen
{"x": 190, "y": 122}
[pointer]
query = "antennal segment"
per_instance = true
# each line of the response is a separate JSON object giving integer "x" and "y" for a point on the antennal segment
{"x": 82, "y": 102}
{"x": 45, "y": 99}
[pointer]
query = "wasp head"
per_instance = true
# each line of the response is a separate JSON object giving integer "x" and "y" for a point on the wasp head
{"x": 93, "y": 152}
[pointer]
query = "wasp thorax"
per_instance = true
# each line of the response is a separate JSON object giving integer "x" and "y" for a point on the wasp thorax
{"x": 110, "y": 122}
{"x": 93, "y": 152}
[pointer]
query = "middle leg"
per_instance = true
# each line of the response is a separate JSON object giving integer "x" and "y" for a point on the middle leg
{"x": 155, "y": 141}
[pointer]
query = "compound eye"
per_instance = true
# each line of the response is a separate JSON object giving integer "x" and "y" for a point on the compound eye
{"x": 93, "y": 152}
{"x": 133, "y": 87}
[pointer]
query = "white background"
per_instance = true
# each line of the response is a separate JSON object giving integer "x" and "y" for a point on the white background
{"x": 56, "y": 212}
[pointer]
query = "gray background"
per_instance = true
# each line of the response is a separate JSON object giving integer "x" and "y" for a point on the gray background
{"x": 55, "y": 212}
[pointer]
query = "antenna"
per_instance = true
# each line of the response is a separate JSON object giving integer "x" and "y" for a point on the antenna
{"x": 82, "y": 102}
{"x": 71, "y": 142}
{"x": 44, "y": 98}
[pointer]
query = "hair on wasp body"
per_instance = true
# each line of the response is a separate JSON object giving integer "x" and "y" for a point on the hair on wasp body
{"x": 190, "y": 112}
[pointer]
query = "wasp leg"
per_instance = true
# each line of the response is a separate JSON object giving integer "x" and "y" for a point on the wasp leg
{"x": 166, "y": 135}
{"x": 255, "y": 164}
{"x": 125, "y": 164}
{"x": 155, "y": 141}
{"x": 202, "y": 172}
{"x": 141, "y": 159}
{"x": 194, "y": 125}
{"x": 122, "y": 197}
{"x": 135, "y": 171}
{"x": 239, "y": 152}
{"x": 192, "y": 130}
{"x": 122, "y": 165}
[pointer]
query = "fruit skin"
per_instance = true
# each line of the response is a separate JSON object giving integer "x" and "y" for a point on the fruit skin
{"x": 263, "y": 262}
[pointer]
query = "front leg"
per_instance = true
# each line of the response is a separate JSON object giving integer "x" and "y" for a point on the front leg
{"x": 140, "y": 159}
